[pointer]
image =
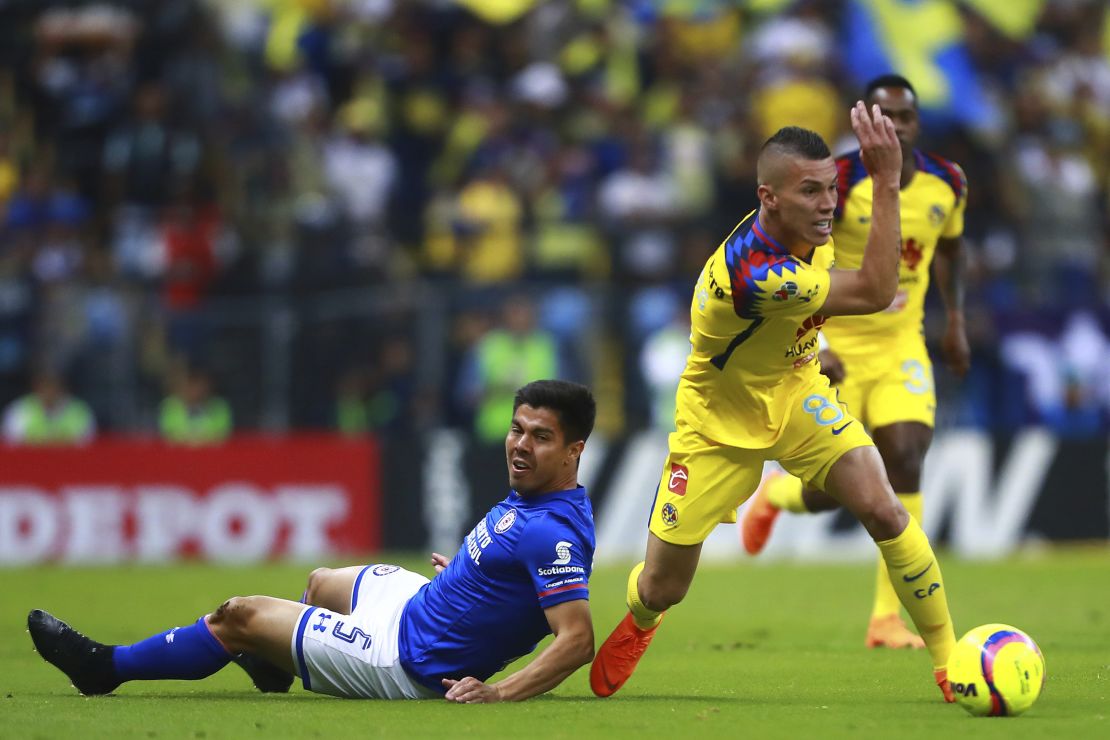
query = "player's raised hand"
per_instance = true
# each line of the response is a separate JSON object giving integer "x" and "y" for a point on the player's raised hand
{"x": 878, "y": 143}
{"x": 470, "y": 691}
{"x": 440, "y": 562}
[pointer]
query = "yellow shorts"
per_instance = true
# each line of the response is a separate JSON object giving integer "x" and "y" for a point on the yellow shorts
{"x": 703, "y": 481}
{"x": 891, "y": 385}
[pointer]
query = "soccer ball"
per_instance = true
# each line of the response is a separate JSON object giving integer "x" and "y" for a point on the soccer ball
{"x": 996, "y": 671}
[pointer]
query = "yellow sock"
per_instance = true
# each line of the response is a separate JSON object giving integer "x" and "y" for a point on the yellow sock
{"x": 784, "y": 491}
{"x": 644, "y": 618}
{"x": 886, "y": 599}
{"x": 915, "y": 575}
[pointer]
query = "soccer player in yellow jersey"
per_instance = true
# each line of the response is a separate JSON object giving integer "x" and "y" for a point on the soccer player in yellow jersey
{"x": 752, "y": 389}
{"x": 879, "y": 360}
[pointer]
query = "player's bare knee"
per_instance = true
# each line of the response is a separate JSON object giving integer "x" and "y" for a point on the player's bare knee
{"x": 220, "y": 615}
{"x": 886, "y": 519}
{"x": 231, "y": 622}
{"x": 316, "y": 581}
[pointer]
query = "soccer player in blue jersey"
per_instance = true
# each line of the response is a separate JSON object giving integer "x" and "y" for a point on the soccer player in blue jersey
{"x": 382, "y": 632}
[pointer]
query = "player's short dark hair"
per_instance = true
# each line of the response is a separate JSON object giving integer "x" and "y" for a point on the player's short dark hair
{"x": 889, "y": 81}
{"x": 573, "y": 403}
{"x": 799, "y": 142}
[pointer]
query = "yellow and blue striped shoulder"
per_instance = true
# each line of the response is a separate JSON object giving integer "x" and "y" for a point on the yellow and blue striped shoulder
{"x": 849, "y": 173}
{"x": 945, "y": 169}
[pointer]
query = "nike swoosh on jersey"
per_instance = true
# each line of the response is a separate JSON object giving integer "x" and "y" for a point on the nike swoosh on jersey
{"x": 838, "y": 431}
{"x": 911, "y": 579}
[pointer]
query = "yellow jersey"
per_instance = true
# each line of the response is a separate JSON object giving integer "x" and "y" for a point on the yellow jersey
{"x": 932, "y": 208}
{"x": 753, "y": 332}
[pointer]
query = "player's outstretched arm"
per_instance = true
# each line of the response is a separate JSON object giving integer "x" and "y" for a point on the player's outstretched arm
{"x": 572, "y": 648}
{"x": 872, "y": 287}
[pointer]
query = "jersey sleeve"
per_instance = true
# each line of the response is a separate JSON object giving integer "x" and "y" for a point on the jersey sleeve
{"x": 791, "y": 289}
{"x": 558, "y": 560}
{"x": 954, "y": 226}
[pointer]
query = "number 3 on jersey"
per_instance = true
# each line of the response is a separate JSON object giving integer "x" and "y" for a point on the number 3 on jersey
{"x": 918, "y": 379}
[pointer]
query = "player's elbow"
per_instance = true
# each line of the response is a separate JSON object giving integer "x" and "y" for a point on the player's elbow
{"x": 882, "y": 295}
{"x": 875, "y": 294}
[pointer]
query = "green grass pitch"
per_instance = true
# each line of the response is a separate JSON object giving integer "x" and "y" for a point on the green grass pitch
{"x": 756, "y": 650}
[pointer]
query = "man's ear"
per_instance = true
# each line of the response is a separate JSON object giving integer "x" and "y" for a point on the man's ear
{"x": 576, "y": 450}
{"x": 767, "y": 197}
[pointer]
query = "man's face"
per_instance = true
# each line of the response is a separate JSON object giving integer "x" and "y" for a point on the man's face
{"x": 804, "y": 199}
{"x": 537, "y": 455}
{"x": 899, "y": 104}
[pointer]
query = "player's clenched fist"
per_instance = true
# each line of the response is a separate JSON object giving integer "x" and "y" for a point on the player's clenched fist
{"x": 878, "y": 143}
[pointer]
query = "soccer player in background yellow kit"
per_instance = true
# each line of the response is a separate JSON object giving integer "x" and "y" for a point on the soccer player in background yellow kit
{"x": 752, "y": 390}
{"x": 879, "y": 361}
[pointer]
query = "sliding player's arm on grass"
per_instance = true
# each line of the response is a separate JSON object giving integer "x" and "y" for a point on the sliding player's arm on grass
{"x": 572, "y": 648}
{"x": 872, "y": 287}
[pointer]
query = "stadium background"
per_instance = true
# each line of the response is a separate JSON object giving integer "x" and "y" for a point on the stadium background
{"x": 362, "y": 222}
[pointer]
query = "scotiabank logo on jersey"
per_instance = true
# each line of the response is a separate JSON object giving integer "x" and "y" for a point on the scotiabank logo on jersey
{"x": 679, "y": 477}
{"x": 246, "y": 500}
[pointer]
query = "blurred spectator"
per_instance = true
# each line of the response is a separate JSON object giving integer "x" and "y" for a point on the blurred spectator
{"x": 488, "y": 240}
{"x": 1058, "y": 215}
{"x": 662, "y": 360}
{"x": 567, "y": 241}
{"x": 82, "y": 74}
{"x": 792, "y": 58}
{"x": 503, "y": 360}
{"x": 1067, "y": 378}
{"x": 379, "y": 397}
{"x": 190, "y": 233}
{"x": 638, "y": 205}
{"x": 192, "y": 414}
{"x": 48, "y": 415}
{"x": 147, "y": 157}
{"x": 362, "y": 172}
{"x": 9, "y": 173}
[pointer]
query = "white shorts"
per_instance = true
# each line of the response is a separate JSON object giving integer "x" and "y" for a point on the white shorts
{"x": 356, "y": 656}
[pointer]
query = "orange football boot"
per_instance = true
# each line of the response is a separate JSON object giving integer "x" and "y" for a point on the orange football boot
{"x": 891, "y": 632}
{"x": 618, "y": 656}
{"x": 759, "y": 518}
{"x": 945, "y": 688}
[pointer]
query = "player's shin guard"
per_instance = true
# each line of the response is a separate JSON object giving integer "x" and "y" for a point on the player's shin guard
{"x": 644, "y": 618}
{"x": 886, "y": 598}
{"x": 915, "y": 575}
{"x": 785, "y": 492}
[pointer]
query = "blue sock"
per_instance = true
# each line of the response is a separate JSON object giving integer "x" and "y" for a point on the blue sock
{"x": 183, "y": 652}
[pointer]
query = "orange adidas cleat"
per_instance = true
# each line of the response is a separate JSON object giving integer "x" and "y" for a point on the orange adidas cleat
{"x": 891, "y": 632}
{"x": 618, "y": 656}
{"x": 945, "y": 688}
{"x": 759, "y": 518}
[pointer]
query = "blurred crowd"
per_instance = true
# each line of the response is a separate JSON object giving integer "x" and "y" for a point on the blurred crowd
{"x": 553, "y": 174}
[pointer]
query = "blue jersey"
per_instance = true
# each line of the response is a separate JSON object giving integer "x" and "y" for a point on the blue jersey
{"x": 485, "y": 609}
